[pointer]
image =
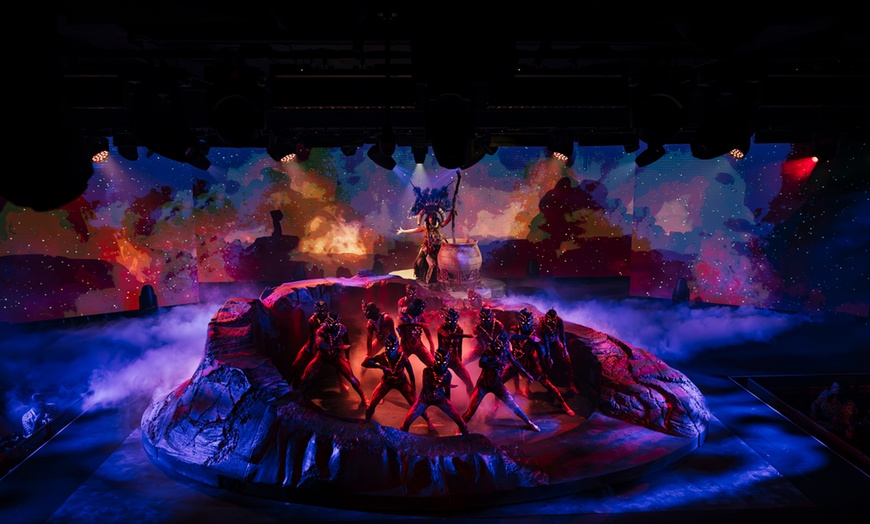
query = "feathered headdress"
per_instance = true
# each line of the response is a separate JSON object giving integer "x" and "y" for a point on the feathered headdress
{"x": 431, "y": 201}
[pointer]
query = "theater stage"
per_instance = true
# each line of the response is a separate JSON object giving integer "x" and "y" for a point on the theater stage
{"x": 753, "y": 465}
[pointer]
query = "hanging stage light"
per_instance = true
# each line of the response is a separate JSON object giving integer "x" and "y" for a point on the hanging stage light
{"x": 98, "y": 148}
{"x": 381, "y": 153}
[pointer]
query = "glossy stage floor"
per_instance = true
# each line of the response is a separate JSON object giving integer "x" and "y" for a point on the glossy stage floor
{"x": 754, "y": 464}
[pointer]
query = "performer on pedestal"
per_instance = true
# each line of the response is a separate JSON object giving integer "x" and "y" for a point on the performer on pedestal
{"x": 433, "y": 209}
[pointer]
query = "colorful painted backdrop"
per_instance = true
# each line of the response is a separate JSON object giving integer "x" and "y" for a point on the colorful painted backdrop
{"x": 774, "y": 230}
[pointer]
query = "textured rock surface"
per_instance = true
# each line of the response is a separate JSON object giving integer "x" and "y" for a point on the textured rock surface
{"x": 237, "y": 424}
{"x": 640, "y": 388}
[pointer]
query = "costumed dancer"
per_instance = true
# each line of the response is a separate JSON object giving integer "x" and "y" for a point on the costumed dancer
{"x": 552, "y": 333}
{"x": 412, "y": 327}
{"x": 330, "y": 347}
{"x": 433, "y": 210}
{"x": 306, "y": 353}
{"x": 404, "y": 301}
{"x": 435, "y": 391}
{"x": 492, "y": 363}
{"x": 39, "y": 415}
{"x": 528, "y": 351}
{"x": 486, "y": 330}
{"x": 450, "y": 338}
{"x": 474, "y": 300}
{"x": 379, "y": 325}
{"x": 398, "y": 375}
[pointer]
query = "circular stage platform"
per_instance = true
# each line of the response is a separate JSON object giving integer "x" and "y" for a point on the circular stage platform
{"x": 236, "y": 424}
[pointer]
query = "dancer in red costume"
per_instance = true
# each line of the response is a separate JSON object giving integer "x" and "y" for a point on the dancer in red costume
{"x": 528, "y": 351}
{"x": 492, "y": 363}
{"x": 436, "y": 392}
{"x": 552, "y": 333}
{"x": 451, "y": 336}
{"x": 330, "y": 349}
{"x": 411, "y": 328}
{"x": 306, "y": 353}
{"x": 486, "y": 330}
{"x": 379, "y": 325}
{"x": 398, "y": 375}
{"x": 404, "y": 301}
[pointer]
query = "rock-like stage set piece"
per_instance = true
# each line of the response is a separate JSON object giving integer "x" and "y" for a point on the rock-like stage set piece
{"x": 237, "y": 424}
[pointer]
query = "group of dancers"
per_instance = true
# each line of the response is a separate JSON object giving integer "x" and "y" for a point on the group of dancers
{"x": 523, "y": 354}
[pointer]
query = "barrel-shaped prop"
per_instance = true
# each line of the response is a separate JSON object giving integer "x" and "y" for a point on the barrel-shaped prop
{"x": 459, "y": 262}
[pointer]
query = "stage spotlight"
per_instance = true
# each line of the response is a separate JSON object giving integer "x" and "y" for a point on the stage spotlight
{"x": 286, "y": 151}
{"x": 420, "y": 153}
{"x": 729, "y": 112}
{"x": 161, "y": 129}
{"x": 195, "y": 154}
{"x": 289, "y": 152}
{"x": 98, "y": 148}
{"x": 478, "y": 148}
{"x": 449, "y": 123}
{"x": 381, "y": 153}
{"x": 657, "y": 118}
{"x": 562, "y": 148}
{"x": 650, "y": 155}
{"x": 48, "y": 189}
{"x": 450, "y": 152}
{"x": 377, "y": 155}
{"x": 713, "y": 143}
{"x": 175, "y": 141}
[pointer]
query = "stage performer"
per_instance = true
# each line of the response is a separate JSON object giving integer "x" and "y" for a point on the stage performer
{"x": 398, "y": 375}
{"x": 411, "y": 328}
{"x": 433, "y": 210}
{"x": 330, "y": 348}
{"x": 486, "y": 330}
{"x": 410, "y": 294}
{"x": 552, "y": 333}
{"x": 435, "y": 391}
{"x": 39, "y": 415}
{"x": 528, "y": 351}
{"x": 379, "y": 325}
{"x": 451, "y": 336}
{"x": 306, "y": 353}
{"x": 492, "y": 363}
{"x": 474, "y": 300}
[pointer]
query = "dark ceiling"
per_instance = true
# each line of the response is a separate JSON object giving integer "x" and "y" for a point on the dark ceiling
{"x": 249, "y": 73}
